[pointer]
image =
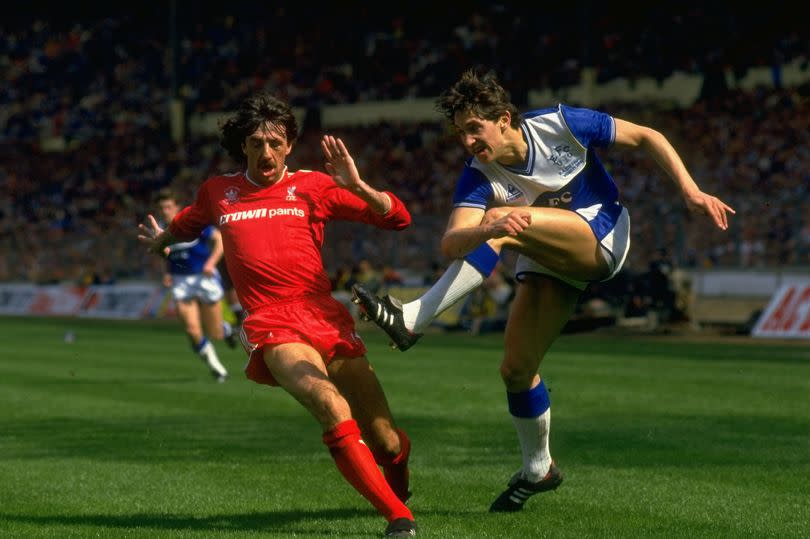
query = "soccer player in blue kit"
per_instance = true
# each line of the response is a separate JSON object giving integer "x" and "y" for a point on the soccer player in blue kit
{"x": 197, "y": 288}
{"x": 533, "y": 185}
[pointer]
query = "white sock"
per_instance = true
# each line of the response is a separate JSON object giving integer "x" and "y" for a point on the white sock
{"x": 209, "y": 355}
{"x": 457, "y": 281}
{"x": 227, "y": 329}
{"x": 533, "y": 436}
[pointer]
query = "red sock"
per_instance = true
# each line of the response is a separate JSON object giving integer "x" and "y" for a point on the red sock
{"x": 356, "y": 463}
{"x": 396, "y": 469}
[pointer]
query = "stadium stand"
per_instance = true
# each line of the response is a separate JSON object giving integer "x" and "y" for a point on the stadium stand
{"x": 86, "y": 129}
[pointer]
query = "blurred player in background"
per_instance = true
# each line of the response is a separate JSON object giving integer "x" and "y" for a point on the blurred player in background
{"x": 535, "y": 185}
{"x": 192, "y": 276}
{"x": 297, "y": 336}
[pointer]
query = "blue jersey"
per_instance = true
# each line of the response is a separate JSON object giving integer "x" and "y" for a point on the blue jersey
{"x": 188, "y": 258}
{"x": 561, "y": 169}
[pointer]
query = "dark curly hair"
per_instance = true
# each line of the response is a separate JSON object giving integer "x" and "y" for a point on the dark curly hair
{"x": 478, "y": 92}
{"x": 253, "y": 112}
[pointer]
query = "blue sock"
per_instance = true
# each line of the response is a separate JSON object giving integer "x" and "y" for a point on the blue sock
{"x": 531, "y": 403}
{"x": 484, "y": 259}
{"x": 198, "y": 347}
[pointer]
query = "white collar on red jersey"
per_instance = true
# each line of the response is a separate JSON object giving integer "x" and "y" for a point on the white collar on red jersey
{"x": 247, "y": 177}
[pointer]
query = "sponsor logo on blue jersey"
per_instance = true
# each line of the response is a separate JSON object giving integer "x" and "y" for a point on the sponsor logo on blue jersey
{"x": 512, "y": 193}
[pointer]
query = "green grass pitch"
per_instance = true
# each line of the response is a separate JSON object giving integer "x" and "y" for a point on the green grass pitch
{"x": 124, "y": 434}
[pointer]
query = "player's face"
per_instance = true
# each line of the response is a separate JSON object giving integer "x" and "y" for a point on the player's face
{"x": 266, "y": 151}
{"x": 482, "y": 138}
{"x": 168, "y": 209}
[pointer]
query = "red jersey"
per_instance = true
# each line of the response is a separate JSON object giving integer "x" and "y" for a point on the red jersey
{"x": 272, "y": 236}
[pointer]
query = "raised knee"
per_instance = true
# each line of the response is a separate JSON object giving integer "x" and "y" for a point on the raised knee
{"x": 493, "y": 214}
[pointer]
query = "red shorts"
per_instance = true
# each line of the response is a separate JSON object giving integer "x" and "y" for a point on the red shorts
{"x": 319, "y": 321}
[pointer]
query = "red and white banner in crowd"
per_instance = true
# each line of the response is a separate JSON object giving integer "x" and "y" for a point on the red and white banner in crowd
{"x": 137, "y": 300}
{"x": 788, "y": 313}
{"x": 57, "y": 300}
{"x": 119, "y": 301}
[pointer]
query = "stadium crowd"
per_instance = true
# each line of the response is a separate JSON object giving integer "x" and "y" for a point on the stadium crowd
{"x": 85, "y": 136}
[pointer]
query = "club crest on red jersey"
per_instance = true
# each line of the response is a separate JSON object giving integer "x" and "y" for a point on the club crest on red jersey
{"x": 291, "y": 194}
{"x": 232, "y": 194}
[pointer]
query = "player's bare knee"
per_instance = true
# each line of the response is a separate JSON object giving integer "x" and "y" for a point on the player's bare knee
{"x": 493, "y": 214}
{"x": 517, "y": 373}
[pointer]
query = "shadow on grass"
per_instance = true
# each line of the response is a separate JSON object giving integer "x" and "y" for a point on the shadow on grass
{"x": 282, "y": 522}
{"x": 75, "y": 380}
{"x": 289, "y": 521}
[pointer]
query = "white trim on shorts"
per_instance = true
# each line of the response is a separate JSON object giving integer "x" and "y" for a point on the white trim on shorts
{"x": 614, "y": 248}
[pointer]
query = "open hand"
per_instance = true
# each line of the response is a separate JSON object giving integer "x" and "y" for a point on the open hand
{"x": 712, "y": 206}
{"x": 339, "y": 162}
{"x": 149, "y": 236}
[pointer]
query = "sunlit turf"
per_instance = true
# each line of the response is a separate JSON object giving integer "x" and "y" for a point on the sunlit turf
{"x": 123, "y": 433}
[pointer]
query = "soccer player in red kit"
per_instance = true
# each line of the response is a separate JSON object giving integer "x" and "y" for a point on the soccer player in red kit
{"x": 297, "y": 336}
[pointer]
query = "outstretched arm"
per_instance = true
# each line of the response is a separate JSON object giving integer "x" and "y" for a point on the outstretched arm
{"x": 630, "y": 135}
{"x": 340, "y": 164}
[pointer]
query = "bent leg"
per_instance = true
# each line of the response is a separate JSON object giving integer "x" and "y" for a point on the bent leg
{"x": 300, "y": 370}
{"x": 559, "y": 239}
{"x": 356, "y": 380}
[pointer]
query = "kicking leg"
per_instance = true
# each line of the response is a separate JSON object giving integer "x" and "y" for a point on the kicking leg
{"x": 557, "y": 239}
{"x": 404, "y": 322}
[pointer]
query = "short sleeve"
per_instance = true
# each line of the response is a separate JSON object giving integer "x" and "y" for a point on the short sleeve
{"x": 591, "y": 128}
{"x": 473, "y": 189}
